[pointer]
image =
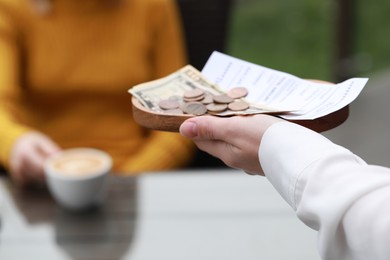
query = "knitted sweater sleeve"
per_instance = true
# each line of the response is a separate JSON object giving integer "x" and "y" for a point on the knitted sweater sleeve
{"x": 10, "y": 92}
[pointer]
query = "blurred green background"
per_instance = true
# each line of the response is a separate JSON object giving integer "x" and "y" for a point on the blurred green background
{"x": 299, "y": 36}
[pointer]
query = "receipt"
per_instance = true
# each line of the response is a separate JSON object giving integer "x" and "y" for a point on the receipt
{"x": 279, "y": 90}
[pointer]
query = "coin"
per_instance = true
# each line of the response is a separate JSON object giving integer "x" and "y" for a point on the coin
{"x": 216, "y": 108}
{"x": 222, "y": 99}
{"x": 194, "y": 108}
{"x": 208, "y": 99}
{"x": 238, "y": 105}
{"x": 237, "y": 92}
{"x": 194, "y": 93}
{"x": 168, "y": 104}
{"x": 199, "y": 102}
{"x": 176, "y": 111}
{"x": 193, "y": 99}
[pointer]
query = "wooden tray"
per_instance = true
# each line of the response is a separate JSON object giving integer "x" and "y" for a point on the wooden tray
{"x": 172, "y": 122}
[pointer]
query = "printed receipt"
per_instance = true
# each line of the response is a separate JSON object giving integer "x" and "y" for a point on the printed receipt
{"x": 279, "y": 90}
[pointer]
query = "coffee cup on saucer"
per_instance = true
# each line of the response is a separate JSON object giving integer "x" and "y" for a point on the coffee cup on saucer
{"x": 77, "y": 178}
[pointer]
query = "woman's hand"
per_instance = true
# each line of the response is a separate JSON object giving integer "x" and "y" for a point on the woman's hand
{"x": 27, "y": 158}
{"x": 235, "y": 140}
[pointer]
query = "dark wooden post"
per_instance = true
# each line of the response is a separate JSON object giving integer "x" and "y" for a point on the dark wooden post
{"x": 206, "y": 25}
{"x": 344, "y": 66}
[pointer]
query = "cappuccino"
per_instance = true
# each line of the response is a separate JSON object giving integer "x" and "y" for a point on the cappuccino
{"x": 80, "y": 162}
{"x": 77, "y": 177}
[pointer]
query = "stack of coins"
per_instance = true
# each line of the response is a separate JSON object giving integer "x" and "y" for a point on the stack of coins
{"x": 199, "y": 102}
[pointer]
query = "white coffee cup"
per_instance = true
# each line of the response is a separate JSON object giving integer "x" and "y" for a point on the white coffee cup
{"x": 77, "y": 178}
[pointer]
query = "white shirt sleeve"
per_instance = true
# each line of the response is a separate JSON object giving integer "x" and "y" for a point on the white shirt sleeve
{"x": 332, "y": 191}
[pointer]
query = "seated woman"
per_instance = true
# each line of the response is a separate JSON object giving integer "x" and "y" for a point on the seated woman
{"x": 65, "y": 69}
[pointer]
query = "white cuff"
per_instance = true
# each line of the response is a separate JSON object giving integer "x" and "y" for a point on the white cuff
{"x": 286, "y": 150}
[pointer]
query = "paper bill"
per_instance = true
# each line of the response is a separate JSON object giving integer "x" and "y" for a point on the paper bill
{"x": 175, "y": 85}
{"x": 282, "y": 91}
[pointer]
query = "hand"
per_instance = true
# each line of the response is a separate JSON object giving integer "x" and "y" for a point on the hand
{"x": 27, "y": 157}
{"x": 235, "y": 140}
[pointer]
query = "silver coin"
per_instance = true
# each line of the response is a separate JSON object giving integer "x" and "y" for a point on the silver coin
{"x": 194, "y": 108}
{"x": 167, "y": 104}
{"x": 216, "y": 108}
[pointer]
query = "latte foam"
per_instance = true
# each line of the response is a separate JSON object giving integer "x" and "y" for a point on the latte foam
{"x": 79, "y": 162}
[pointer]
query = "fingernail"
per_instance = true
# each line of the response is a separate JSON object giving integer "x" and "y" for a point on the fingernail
{"x": 189, "y": 129}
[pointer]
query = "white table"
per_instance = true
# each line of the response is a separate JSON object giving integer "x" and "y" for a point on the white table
{"x": 183, "y": 215}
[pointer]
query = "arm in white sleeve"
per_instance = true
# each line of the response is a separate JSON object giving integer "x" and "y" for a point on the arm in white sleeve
{"x": 332, "y": 190}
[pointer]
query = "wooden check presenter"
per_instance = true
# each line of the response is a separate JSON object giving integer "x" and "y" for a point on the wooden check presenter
{"x": 166, "y": 103}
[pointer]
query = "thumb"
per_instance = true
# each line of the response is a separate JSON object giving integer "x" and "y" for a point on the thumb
{"x": 202, "y": 127}
{"x": 189, "y": 129}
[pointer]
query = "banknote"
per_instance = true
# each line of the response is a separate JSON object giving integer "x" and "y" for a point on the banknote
{"x": 173, "y": 86}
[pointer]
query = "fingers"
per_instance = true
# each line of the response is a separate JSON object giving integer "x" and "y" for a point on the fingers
{"x": 34, "y": 165}
{"x": 233, "y": 130}
{"x": 232, "y": 156}
{"x": 27, "y": 166}
{"x": 204, "y": 132}
{"x": 28, "y": 156}
{"x": 215, "y": 148}
{"x": 234, "y": 140}
{"x": 46, "y": 146}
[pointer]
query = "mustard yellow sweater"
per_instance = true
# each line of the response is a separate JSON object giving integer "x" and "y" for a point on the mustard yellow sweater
{"x": 66, "y": 73}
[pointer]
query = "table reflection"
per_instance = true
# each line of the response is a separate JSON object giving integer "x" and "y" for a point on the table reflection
{"x": 190, "y": 214}
{"x": 104, "y": 232}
